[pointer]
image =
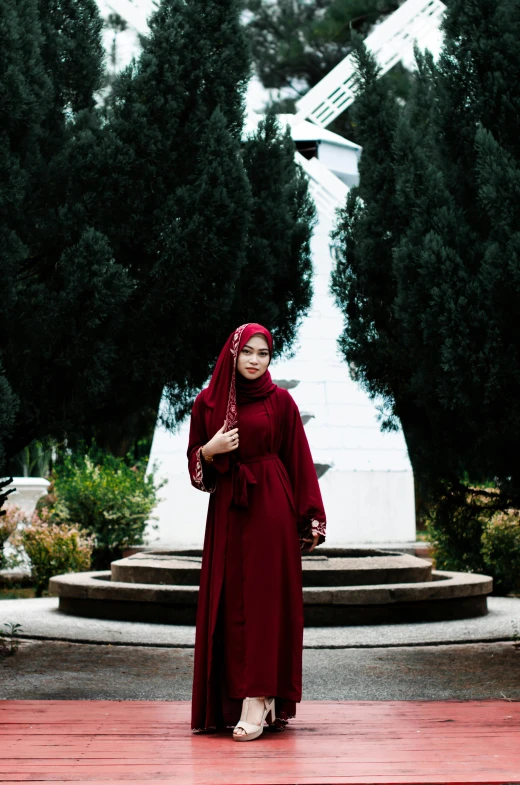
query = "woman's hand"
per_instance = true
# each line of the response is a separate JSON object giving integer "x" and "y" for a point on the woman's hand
{"x": 314, "y": 541}
{"x": 222, "y": 442}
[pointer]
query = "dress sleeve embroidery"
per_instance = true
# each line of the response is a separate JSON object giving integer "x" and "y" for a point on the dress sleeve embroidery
{"x": 310, "y": 529}
{"x": 199, "y": 475}
{"x": 318, "y": 527}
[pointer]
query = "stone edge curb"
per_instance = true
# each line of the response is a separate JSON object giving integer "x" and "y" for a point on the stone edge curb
{"x": 414, "y": 644}
{"x": 444, "y": 586}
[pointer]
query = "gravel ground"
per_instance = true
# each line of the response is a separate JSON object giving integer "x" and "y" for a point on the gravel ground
{"x": 44, "y": 670}
{"x": 41, "y": 619}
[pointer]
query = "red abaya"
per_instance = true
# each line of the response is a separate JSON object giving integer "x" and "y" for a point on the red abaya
{"x": 249, "y": 628}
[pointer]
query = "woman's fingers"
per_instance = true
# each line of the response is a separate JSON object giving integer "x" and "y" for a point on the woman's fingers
{"x": 232, "y": 438}
{"x": 314, "y": 541}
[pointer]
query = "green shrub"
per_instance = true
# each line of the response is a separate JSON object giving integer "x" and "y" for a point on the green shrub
{"x": 9, "y": 522}
{"x": 470, "y": 532}
{"x": 455, "y": 525}
{"x": 109, "y": 499}
{"x": 501, "y": 550}
{"x": 54, "y": 549}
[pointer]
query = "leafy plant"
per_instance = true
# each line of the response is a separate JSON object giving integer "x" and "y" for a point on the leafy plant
{"x": 34, "y": 460}
{"x": 14, "y": 516}
{"x": 471, "y": 533}
{"x": 9, "y": 643}
{"x": 106, "y": 497}
{"x": 501, "y": 550}
{"x": 455, "y": 526}
{"x": 54, "y": 548}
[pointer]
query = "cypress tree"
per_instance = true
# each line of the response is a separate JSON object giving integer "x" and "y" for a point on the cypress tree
{"x": 457, "y": 277}
{"x": 71, "y": 56}
{"x": 366, "y": 232}
{"x": 190, "y": 211}
{"x": 24, "y": 97}
{"x": 146, "y": 221}
{"x": 164, "y": 179}
{"x": 59, "y": 295}
{"x": 452, "y": 283}
{"x": 278, "y": 251}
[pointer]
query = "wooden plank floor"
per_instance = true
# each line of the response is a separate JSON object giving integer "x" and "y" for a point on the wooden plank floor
{"x": 379, "y": 742}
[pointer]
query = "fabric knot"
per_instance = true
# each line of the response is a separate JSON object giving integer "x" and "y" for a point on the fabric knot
{"x": 242, "y": 477}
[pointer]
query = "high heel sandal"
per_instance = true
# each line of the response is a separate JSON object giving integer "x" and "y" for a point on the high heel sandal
{"x": 253, "y": 731}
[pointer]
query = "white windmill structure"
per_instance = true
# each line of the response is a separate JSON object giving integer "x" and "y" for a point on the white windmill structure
{"x": 365, "y": 475}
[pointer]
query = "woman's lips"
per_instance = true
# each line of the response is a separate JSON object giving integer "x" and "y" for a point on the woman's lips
{"x": 252, "y": 370}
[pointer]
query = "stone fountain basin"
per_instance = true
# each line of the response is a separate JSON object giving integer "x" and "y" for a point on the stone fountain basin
{"x": 449, "y": 595}
{"x": 334, "y": 567}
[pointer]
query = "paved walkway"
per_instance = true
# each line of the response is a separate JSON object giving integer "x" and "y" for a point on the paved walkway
{"x": 55, "y": 670}
{"x": 41, "y": 619}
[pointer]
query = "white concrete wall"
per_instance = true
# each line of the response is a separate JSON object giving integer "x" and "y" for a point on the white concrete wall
{"x": 368, "y": 493}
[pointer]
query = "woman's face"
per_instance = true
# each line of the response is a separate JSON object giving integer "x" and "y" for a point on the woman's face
{"x": 255, "y": 355}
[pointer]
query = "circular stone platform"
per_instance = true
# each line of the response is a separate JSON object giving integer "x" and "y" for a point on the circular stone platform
{"x": 349, "y": 568}
{"x": 340, "y": 587}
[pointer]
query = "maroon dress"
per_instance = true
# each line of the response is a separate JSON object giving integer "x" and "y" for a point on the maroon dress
{"x": 249, "y": 629}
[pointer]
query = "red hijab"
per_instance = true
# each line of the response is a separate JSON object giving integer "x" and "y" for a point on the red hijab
{"x": 227, "y": 387}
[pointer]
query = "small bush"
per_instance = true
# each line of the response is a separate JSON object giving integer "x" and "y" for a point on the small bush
{"x": 54, "y": 549}
{"x": 501, "y": 550}
{"x": 9, "y": 522}
{"x": 471, "y": 532}
{"x": 109, "y": 499}
{"x": 455, "y": 526}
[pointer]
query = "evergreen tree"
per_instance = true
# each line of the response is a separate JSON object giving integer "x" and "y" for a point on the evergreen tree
{"x": 278, "y": 252}
{"x": 188, "y": 206}
{"x": 163, "y": 177}
{"x": 456, "y": 268}
{"x": 71, "y": 57}
{"x": 24, "y": 97}
{"x": 137, "y": 265}
{"x": 8, "y": 411}
{"x": 57, "y": 347}
{"x": 366, "y": 233}
{"x": 452, "y": 284}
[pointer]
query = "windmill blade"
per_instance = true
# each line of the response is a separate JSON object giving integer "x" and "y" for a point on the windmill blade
{"x": 391, "y": 41}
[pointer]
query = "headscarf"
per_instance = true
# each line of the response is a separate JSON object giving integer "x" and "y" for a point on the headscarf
{"x": 227, "y": 387}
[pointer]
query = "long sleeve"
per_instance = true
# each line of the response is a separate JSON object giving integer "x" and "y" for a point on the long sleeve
{"x": 202, "y": 474}
{"x": 296, "y": 456}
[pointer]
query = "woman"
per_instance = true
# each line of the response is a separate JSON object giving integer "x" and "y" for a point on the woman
{"x": 248, "y": 449}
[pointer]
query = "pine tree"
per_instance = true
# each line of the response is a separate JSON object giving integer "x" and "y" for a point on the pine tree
{"x": 452, "y": 283}
{"x": 162, "y": 177}
{"x": 278, "y": 252}
{"x": 367, "y": 230}
{"x": 182, "y": 203}
{"x": 59, "y": 294}
{"x": 458, "y": 301}
{"x": 141, "y": 227}
{"x": 24, "y": 96}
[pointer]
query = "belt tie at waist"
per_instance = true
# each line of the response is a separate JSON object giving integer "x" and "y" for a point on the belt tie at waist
{"x": 243, "y": 476}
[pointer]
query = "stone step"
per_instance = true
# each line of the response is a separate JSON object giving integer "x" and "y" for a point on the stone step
{"x": 332, "y": 567}
{"x": 449, "y": 595}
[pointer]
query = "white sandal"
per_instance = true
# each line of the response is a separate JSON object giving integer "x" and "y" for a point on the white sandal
{"x": 253, "y": 731}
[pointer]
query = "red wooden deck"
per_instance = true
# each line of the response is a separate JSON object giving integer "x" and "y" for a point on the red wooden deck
{"x": 392, "y": 742}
